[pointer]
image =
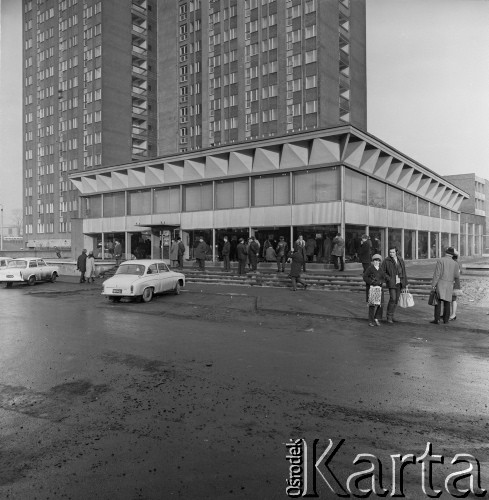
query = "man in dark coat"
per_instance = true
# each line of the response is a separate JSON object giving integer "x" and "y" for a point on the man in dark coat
{"x": 200, "y": 253}
{"x": 396, "y": 279}
{"x": 365, "y": 251}
{"x": 117, "y": 252}
{"x": 181, "y": 252}
{"x": 242, "y": 255}
{"x": 447, "y": 273}
{"x": 282, "y": 250}
{"x": 297, "y": 260}
{"x": 253, "y": 250}
{"x": 226, "y": 250}
{"x": 81, "y": 265}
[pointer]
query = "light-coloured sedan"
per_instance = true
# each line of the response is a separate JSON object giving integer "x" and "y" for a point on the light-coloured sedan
{"x": 28, "y": 269}
{"x": 142, "y": 279}
{"x": 4, "y": 262}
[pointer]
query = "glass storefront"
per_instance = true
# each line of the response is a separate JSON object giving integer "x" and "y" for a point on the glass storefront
{"x": 233, "y": 234}
{"x": 445, "y": 242}
{"x": 423, "y": 244}
{"x": 377, "y": 237}
{"x": 319, "y": 238}
{"x": 409, "y": 244}
{"x": 353, "y": 237}
{"x": 395, "y": 239}
{"x": 434, "y": 248}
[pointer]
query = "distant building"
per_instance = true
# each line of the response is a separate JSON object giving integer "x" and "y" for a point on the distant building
{"x": 474, "y": 213}
{"x": 89, "y": 100}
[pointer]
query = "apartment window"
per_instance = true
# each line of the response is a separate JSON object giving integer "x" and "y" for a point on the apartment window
{"x": 311, "y": 81}
{"x": 296, "y": 60}
{"x": 294, "y": 85}
{"x": 311, "y": 107}
{"x": 311, "y": 56}
{"x": 310, "y": 31}
{"x": 310, "y": 6}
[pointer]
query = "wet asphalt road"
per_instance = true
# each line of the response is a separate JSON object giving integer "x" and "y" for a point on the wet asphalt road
{"x": 194, "y": 396}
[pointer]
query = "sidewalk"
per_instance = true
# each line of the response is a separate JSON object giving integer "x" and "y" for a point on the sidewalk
{"x": 334, "y": 304}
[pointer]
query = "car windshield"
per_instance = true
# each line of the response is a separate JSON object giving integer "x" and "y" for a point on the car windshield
{"x": 136, "y": 269}
{"x": 19, "y": 264}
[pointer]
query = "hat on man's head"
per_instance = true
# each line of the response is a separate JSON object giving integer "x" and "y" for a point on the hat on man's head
{"x": 376, "y": 256}
{"x": 282, "y": 238}
{"x": 450, "y": 251}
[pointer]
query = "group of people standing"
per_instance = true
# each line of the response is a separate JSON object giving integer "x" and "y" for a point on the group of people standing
{"x": 177, "y": 251}
{"x": 390, "y": 274}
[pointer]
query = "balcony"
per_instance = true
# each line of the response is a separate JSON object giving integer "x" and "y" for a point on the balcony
{"x": 139, "y": 9}
{"x": 136, "y": 110}
{"x": 140, "y": 51}
{"x": 139, "y": 71}
{"x": 140, "y": 91}
{"x": 139, "y": 30}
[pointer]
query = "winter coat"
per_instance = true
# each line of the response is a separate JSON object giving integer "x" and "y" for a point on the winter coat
{"x": 242, "y": 252}
{"x": 254, "y": 249}
{"x": 181, "y": 248}
{"x": 374, "y": 277}
{"x": 81, "y": 263}
{"x": 226, "y": 248}
{"x": 296, "y": 264}
{"x": 447, "y": 272}
{"x": 174, "y": 251}
{"x": 310, "y": 246}
{"x": 365, "y": 252}
{"x": 301, "y": 248}
{"x": 338, "y": 246}
{"x": 391, "y": 270}
{"x": 282, "y": 249}
{"x": 118, "y": 250}
{"x": 201, "y": 250}
{"x": 90, "y": 266}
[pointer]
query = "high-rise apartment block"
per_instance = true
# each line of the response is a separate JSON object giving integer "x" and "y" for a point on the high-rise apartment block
{"x": 238, "y": 70}
{"x": 89, "y": 100}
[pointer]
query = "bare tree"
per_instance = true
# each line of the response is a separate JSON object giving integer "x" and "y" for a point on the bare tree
{"x": 17, "y": 219}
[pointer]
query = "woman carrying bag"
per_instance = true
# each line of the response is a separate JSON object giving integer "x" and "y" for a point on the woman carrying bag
{"x": 374, "y": 276}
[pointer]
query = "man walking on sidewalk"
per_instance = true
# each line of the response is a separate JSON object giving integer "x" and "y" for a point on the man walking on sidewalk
{"x": 396, "y": 279}
{"x": 446, "y": 274}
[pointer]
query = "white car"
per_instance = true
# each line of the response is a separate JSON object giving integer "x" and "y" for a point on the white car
{"x": 142, "y": 279}
{"x": 4, "y": 262}
{"x": 28, "y": 269}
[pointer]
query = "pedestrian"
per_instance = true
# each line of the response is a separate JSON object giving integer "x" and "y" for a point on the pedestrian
{"x": 181, "y": 252}
{"x": 174, "y": 253}
{"x": 282, "y": 251}
{"x": 90, "y": 267}
{"x": 327, "y": 249}
{"x": 200, "y": 253}
{"x": 117, "y": 252}
{"x": 447, "y": 273}
{"x": 253, "y": 251}
{"x": 296, "y": 260}
{"x": 58, "y": 253}
{"x": 269, "y": 250}
{"x": 310, "y": 248}
{"x": 365, "y": 251}
{"x": 81, "y": 265}
{"x": 456, "y": 289}
{"x": 396, "y": 279}
{"x": 242, "y": 255}
{"x": 226, "y": 251}
{"x": 300, "y": 246}
{"x": 338, "y": 252}
{"x": 375, "y": 276}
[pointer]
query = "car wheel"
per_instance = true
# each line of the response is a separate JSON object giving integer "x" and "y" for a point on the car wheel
{"x": 115, "y": 299}
{"x": 53, "y": 277}
{"x": 147, "y": 295}
{"x": 9, "y": 284}
{"x": 31, "y": 281}
{"x": 177, "y": 288}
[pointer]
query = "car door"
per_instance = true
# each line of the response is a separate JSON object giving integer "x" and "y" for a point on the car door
{"x": 165, "y": 277}
{"x": 152, "y": 278}
{"x": 33, "y": 269}
{"x": 42, "y": 270}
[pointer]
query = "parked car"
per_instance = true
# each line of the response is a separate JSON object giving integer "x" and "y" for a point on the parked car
{"x": 142, "y": 279}
{"x": 28, "y": 269}
{"x": 4, "y": 262}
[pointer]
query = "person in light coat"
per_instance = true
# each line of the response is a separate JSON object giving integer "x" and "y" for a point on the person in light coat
{"x": 338, "y": 252}
{"x": 90, "y": 265}
{"x": 174, "y": 253}
{"x": 446, "y": 275}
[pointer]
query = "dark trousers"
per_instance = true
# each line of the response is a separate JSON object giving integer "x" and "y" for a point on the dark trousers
{"x": 241, "y": 266}
{"x": 180, "y": 261}
{"x": 339, "y": 262}
{"x": 201, "y": 264}
{"x": 253, "y": 261}
{"x": 281, "y": 263}
{"x": 394, "y": 294}
{"x": 446, "y": 310}
{"x": 227, "y": 266}
{"x": 296, "y": 280}
{"x": 375, "y": 312}
{"x": 82, "y": 277}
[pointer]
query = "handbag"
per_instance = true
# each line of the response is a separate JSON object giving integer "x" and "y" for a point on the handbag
{"x": 375, "y": 296}
{"x": 406, "y": 299}
{"x": 433, "y": 300}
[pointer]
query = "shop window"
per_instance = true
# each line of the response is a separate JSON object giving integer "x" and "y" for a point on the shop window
{"x": 434, "y": 210}
{"x": 198, "y": 197}
{"x": 423, "y": 207}
{"x": 355, "y": 187}
{"x": 395, "y": 239}
{"x": 395, "y": 199}
{"x": 317, "y": 185}
{"x": 114, "y": 205}
{"x": 166, "y": 200}
{"x": 434, "y": 245}
{"x": 139, "y": 202}
{"x": 376, "y": 193}
{"x": 445, "y": 242}
{"x": 232, "y": 194}
{"x": 410, "y": 203}
{"x": 422, "y": 244}
{"x": 409, "y": 244}
{"x": 91, "y": 207}
{"x": 270, "y": 190}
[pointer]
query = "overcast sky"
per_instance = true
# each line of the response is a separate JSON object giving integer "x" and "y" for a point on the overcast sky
{"x": 428, "y": 86}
